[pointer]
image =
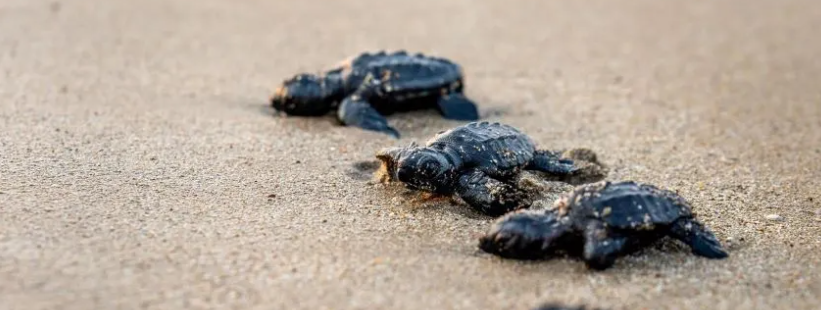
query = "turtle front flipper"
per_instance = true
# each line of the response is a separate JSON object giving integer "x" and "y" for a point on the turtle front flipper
{"x": 552, "y": 163}
{"x": 601, "y": 248}
{"x": 487, "y": 195}
{"x": 354, "y": 111}
{"x": 699, "y": 238}
{"x": 456, "y": 106}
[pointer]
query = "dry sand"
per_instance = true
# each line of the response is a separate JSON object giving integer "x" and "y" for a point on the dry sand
{"x": 139, "y": 165}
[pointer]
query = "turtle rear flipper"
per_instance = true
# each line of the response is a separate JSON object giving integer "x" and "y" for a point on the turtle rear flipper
{"x": 456, "y": 106}
{"x": 354, "y": 111}
{"x": 549, "y": 162}
{"x": 701, "y": 241}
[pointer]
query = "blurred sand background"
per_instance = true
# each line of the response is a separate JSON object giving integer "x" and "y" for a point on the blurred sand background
{"x": 140, "y": 167}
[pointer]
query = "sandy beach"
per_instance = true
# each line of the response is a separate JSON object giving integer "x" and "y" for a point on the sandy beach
{"x": 141, "y": 167}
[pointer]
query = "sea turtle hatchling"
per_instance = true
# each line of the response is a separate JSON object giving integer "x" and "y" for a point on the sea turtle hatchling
{"x": 364, "y": 88}
{"x": 478, "y": 161}
{"x": 600, "y": 222}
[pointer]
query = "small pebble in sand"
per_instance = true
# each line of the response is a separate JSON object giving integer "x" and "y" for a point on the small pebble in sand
{"x": 397, "y": 201}
{"x": 774, "y": 217}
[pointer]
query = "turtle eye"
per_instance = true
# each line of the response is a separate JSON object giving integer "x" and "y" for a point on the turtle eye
{"x": 414, "y": 166}
{"x": 428, "y": 165}
{"x": 419, "y": 166}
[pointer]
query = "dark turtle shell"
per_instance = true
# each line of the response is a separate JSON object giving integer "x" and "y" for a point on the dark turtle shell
{"x": 493, "y": 146}
{"x": 403, "y": 76}
{"x": 624, "y": 205}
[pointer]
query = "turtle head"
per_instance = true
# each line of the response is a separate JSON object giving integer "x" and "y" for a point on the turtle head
{"x": 389, "y": 157}
{"x": 526, "y": 234}
{"x": 418, "y": 167}
{"x": 303, "y": 95}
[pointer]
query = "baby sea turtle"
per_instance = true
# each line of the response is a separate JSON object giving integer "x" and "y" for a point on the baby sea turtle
{"x": 601, "y": 221}
{"x": 477, "y": 161}
{"x": 363, "y": 89}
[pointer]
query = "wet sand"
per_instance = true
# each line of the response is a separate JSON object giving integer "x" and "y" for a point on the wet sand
{"x": 140, "y": 167}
